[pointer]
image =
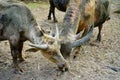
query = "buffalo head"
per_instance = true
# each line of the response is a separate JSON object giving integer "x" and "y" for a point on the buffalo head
{"x": 50, "y": 49}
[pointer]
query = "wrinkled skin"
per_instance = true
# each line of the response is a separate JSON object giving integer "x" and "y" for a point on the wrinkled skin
{"x": 17, "y": 25}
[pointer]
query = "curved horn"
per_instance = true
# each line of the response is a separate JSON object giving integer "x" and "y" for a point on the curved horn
{"x": 56, "y": 35}
{"x": 77, "y": 36}
{"x": 57, "y": 32}
{"x": 81, "y": 41}
{"x": 46, "y": 35}
{"x": 40, "y": 46}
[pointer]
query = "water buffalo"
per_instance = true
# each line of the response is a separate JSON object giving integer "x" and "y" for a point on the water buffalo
{"x": 62, "y": 6}
{"x": 59, "y": 4}
{"x": 17, "y": 24}
{"x": 81, "y": 15}
{"x": 102, "y": 11}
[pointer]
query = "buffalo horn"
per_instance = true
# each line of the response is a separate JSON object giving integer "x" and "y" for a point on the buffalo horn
{"x": 57, "y": 32}
{"x": 46, "y": 35}
{"x": 77, "y": 36}
{"x": 81, "y": 41}
{"x": 39, "y": 46}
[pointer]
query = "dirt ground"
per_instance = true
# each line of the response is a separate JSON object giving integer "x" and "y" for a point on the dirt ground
{"x": 97, "y": 61}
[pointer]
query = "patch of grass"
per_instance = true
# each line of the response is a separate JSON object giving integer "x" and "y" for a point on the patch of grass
{"x": 37, "y": 5}
{"x": 33, "y": 5}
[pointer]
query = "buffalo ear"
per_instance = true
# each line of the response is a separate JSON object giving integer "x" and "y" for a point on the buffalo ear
{"x": 32, "y": 50}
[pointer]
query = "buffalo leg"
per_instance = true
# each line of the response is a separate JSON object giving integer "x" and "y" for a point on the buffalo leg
{"x": 53, "y": 11}
{"x": 20, "y": 46}
{"x": 14, "y": 43}
{"x": 14, "y": 53}
{"x": 99, "y": 34}
{"x": 49, "y": 15}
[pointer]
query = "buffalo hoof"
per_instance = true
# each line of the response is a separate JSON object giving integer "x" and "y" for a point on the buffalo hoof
{"x": 49, "y": 18}
{"x": 61, "y": 72}
{"x": 18, "y": 70}
{"x": 63, "y": 69}
{"x": 98, "y": 40}
{"x": 21, "y": 60}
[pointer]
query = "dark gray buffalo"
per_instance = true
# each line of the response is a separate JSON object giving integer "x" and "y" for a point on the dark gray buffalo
{"x": 17, "y": 25}
{"x": 59, "y": 4}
